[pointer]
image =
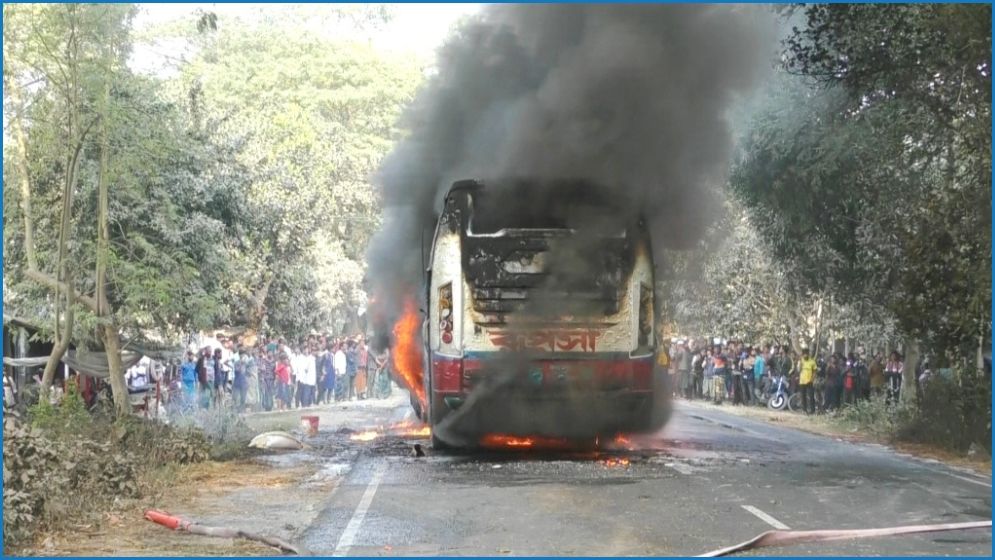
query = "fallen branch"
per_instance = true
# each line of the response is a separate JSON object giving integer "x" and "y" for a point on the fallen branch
{"x": 787, "y": 538}
{"x": 180, "y": 524}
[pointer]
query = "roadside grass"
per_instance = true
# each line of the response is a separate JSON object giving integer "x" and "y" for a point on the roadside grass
{"x": 201, "y": 491}
{"x": 66, "y": 467}
{"x": 867, "y": 423}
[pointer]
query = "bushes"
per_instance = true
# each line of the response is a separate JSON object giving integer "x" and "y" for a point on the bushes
{"x": 63, "y": 465}
{"x": 951, "y": 413}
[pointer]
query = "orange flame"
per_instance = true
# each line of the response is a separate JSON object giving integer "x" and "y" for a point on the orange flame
{"x": 501, "y": 441}
{"x": 369, "y": 435}
{"x": 623, "y": 442}
{"x": 407, "y": 356}
{"x": 402, "y": 429}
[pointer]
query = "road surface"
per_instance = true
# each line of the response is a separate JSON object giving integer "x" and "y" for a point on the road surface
{"x": 709, "y": 480}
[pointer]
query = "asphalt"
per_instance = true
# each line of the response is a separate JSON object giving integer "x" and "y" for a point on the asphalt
{"x": 708, "y": 480}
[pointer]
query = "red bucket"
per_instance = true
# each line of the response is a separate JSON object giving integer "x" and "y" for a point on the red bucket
{"x": 310, "y": 423}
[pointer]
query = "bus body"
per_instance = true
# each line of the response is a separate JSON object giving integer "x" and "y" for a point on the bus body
{"x": 535, "y": 326}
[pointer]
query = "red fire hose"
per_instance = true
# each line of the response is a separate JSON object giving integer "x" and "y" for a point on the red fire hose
{"x": 180, "y": 524}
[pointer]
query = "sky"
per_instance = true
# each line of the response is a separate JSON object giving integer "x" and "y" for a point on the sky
{"x": 414, "y": 28}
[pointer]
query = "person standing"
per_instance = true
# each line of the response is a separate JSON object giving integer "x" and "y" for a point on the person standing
{"x": 306, "y": 378}
{"x": 188, "y": 376}
{"x": 362, "y": 368}
{"x": 283, "y": 372}
{"x": 748, "y": 363}
{"x": 205, "y": 376}
{"x": 684, "y": 369}
{"x": 382, "y": 363}
{"x": 736, "y": 369}
{"x": 251, "y": 359}
{"x": 350, "y": 368}
{"x": 782, "y": 364}
{"x": 834, "y": 381}
{"x": 893, "y": 376}
{"x": 328, "y": 374}
{"x": 709, "y": 377}
{"x": 267, "y": 379}
{"x": 698, "y": 373}
{"x": 851, "y": 381}
{"x": 239, "y": 384}
{"x": 319, "y": 369}
{"x": 719, "y": 373}
{"x": 341, "y": 381}
{"x": 220, "y": 377}
{"x": 876, "y": 373}
{"x": 759, "y": 371}
{"x": 806, "y": 378}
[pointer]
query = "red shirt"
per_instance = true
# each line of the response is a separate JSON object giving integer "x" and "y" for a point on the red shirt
{"x": 283, "y": 373}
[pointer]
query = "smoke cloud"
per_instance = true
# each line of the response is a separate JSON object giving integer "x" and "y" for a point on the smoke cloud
{"x": 634, "y": 97}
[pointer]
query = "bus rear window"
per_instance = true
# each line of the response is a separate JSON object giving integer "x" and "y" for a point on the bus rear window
{"x": 524, "y": 206}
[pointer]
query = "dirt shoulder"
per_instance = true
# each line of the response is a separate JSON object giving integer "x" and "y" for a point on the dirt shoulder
{"x": 275, "y": 493}
{"x": 828, "y": 425}
{"x": 245, "y": 494}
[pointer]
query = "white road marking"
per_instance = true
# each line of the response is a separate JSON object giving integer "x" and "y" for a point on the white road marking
{"x": 964, "y": 478}
{"x": 352, "y": 529}
{"x": 766, "y": 518}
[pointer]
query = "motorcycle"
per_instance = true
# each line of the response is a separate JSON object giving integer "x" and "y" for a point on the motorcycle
{"x": 780, "y": 394}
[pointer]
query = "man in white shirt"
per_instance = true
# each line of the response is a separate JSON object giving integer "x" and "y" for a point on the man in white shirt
{"x": 339, "y": 363}
{"x": 306, "y": 376}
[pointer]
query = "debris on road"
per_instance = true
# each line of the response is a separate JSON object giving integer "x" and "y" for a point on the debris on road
{"x": 787, "y": 538}
{"x": 180, "y": 524}
{"x": 417, "y": 450}
{"x": 276, "y": 440}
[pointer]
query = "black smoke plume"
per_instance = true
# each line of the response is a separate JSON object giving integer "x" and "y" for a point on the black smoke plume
{"x": 632, "y": 97}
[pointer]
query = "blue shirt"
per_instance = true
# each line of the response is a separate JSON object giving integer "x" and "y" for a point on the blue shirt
{"x": 758, "y": 366}
{"x": 188, "y": 372}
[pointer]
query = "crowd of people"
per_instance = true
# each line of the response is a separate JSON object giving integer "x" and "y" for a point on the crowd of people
{"x": 274, "y": 375}
{"x": 746, "y": 374}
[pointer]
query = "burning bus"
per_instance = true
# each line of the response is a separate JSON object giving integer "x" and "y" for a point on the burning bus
{"x": 539, "y": 315}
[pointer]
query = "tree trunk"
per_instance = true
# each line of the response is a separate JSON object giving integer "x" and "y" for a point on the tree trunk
{"x": 23, "y": 180}
{"x": 818, "y": 329}
{"x": 61, "y": 344}
{"x": 111, "y": 337}
{"x": 112, "y": 346}
{"x": 909, "y": 391}
{"x": 257, "y": 315}
{"x": 103, "y": 228}
{"x": 64, "y": 335}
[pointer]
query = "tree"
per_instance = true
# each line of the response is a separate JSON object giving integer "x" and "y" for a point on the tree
{"x": 315, "y": 132}
{"x": 878, "y": 177}
{"x": 165, "y": 193}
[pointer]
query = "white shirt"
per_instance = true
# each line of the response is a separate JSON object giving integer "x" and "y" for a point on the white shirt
{"x": 304, "y": 369}
{"x": 339, "y": 363}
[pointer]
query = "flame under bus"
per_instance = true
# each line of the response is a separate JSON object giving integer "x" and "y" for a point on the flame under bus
{"x": 540, "y": 306}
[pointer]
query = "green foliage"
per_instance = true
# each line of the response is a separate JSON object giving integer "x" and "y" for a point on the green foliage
{"x": 876, "y": 418}
{"x": 876, "y": 184}
{"x": 238, "y": 188}
{"x": 67, "y": 419}
{"x": 951, "y": 413}
{"x": 315, "y": 130}
{"x": 55, "y": 473}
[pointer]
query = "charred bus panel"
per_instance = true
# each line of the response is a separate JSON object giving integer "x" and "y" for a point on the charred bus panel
{"x": 540, "y": 314}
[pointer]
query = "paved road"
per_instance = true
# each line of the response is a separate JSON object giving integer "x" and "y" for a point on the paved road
{"x": 709, "y": 480}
